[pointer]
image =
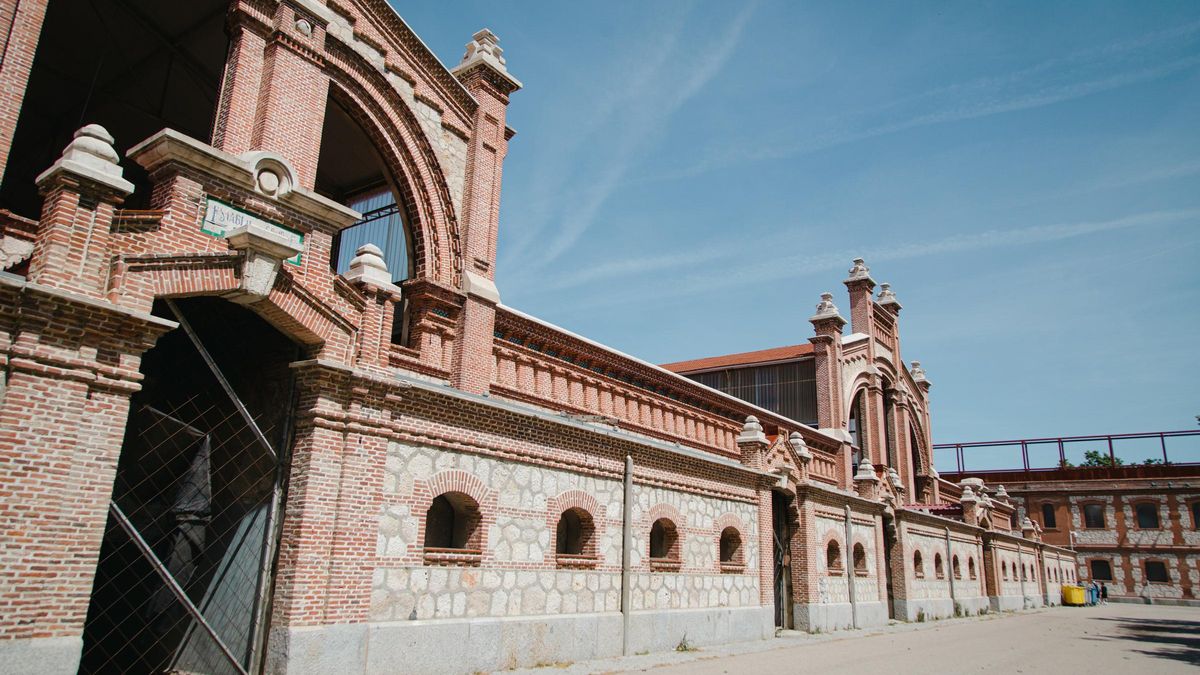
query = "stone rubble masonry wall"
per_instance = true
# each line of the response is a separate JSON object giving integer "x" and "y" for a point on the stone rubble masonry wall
{"x": 928, "y": 596}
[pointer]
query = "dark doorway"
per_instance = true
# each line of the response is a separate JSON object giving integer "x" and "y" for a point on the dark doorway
{"x": 889, "y": 543}
{"x": 185, "y": 564}
{"x": 781, "y": 522}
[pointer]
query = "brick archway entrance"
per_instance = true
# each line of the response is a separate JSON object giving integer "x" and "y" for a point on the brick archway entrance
{"x": 184, "y": 570}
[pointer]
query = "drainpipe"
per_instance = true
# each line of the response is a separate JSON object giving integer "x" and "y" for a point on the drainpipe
{"x": 850, "y": 571}
{"x": 626, "y": 552}
{"x": 950, "y": 576}
{"x": 1021, "y": 562}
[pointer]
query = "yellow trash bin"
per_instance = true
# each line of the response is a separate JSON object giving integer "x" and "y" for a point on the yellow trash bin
{"x": 1073, "y": 595}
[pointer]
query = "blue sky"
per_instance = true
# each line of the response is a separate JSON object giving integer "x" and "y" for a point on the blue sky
{"x": 687, "y": 178}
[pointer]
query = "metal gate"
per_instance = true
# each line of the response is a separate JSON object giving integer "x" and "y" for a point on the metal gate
{"x": 782, "y": 538}
{"x": 184, "y": 574}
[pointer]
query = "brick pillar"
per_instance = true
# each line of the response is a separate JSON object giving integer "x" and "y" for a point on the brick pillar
{"x": 290, "y": 108}
{"x": 67, "y": 368}
{"x": 369, "y": 272}
{"x": 752, "y": 443}
{"x": 484, "y": 74}
{"x": 233, "y": 127}
{"x": 80, "y": 192}
{"x": 862, "y": 305}
{"x": 827, "y": 353}
{"x": 20, "y": 27}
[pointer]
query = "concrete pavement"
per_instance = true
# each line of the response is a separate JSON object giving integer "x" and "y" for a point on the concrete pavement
{"x": 1116, "y": 638}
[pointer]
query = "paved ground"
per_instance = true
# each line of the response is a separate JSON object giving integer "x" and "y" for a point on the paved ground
{"x": 1116, "y": 638}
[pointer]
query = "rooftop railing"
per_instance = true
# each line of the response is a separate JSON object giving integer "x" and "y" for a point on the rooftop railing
{"x": 1150, "y": 449}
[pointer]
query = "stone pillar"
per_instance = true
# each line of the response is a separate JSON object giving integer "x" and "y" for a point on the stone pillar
{"x": 484, "y": 73}
{"x": 889, "y": 305}
{"x": 753, "y": 444}
{"x": 970, "y": 505}
{"x": 81, "y": 190}
{"x": 20, "y": 26}
{"x": 369, "y": 272}
{"x": 866, "y": 483}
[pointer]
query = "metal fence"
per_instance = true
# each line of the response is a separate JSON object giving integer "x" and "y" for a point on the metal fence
{"x": 1151, "y": 449}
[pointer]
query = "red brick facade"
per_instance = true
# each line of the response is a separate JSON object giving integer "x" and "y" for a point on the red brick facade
{"x": 523, "y": 419}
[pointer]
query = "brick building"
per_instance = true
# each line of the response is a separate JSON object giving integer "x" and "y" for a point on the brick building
{"x": 1134, "y": 528}
{"x": 262, "y": 407}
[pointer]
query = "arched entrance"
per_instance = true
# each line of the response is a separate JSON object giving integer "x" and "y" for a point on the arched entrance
{"x": 185, "y": 565}
{"x": 781, "y": 527}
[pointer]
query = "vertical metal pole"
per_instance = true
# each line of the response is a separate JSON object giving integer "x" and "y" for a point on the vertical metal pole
{"x": 958, "y": 454}
{"x": 1162, "y": 439}
{"x": 1062, "y": 454}
{"x": 1025, "y": 456}
{"x": 850, "y": 570}
{"x": 1112, "y": 457}
{"x": 626, "y": 552}
{"x": 950, "y": 562}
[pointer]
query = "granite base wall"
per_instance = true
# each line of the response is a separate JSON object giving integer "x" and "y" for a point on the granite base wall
{"x": 930, "y": 609}
{"x": 829, "y": 617}
{"x": 1013, "y": 603}
{"x": 436, "y": 647}
{"x": 48, "y": 656}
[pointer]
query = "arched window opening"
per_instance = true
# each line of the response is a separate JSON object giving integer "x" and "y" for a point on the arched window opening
{"x": 351, "y": 171}
{"x": 914, "y": 444}
{"x": 1196, "y": 515}
{"x": 1004, "y": 570}
{"x": 918, "y": 565}
{"x": 938, "y": 570}
{"x": 1147, "y": 516}
{"x": 857, "y": 429}
{"x": 971, "y": 567}
{"x": 97, "y": 64}
{"x": 730, "y": 547}
{"x": 833, "y": 557}
{"x": 1048, "y": 520}
{"x": 664, "y": 542}
{"x": 1022, "y": 571}
{"x": 1101, "y": 570}
{"x": 452, "y": 522}
{"x": 955, "y": 568}
{"x": 574, "y": 533}
{"x": 860, "y": 559}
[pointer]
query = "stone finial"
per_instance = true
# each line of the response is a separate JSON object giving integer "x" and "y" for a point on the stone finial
{"x": 90, "y": 155}
{"x": 369, "y": 267}
{"x": 1026, "y": 523}
{"x": 894, "y": 478}
{"x": 1001, "y": 494}
{"x": 484, "y": 49}
{"x": 827, "y": 310}
{"x": 800, "y": 447}
{"x": 752, "y": 432}
{"x": 865, "y": 471}
{"x": 860, "y": 272}
{"x": 918, "y": 373}
{"x": 968, "y": 495}
{"x": 887, "y": 296}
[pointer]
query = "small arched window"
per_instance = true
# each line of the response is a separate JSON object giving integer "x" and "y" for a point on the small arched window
{"x": 833, "y": 557}
{"x": 918, "y": 565}
{"x": 857, "y": 430}
{"x": 1147, "y": 516}
{"x": 664, "y": 541}
{"x": 1004, "y": 570}
{"x": 1022, "y": 571}
{"x": 452, "y": 522}
{"x": 860, "y": 559}
{"x": 955, "y": 568}
{"x": 938, "y": 570}
{"x": 731, "y": 547}
{"x": 1048, "y": 520}
{"x": 1196, "y": 515}
{"x": 573, "y": 536}
{"x": 971, "y": 567}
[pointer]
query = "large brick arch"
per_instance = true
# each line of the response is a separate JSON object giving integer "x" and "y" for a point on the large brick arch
{"x": 408, "y": 155}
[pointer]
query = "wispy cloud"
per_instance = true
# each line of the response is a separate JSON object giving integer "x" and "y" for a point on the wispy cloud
{"x": 778, "y": 268}
{"x": 655, "y": 92}
{"x": 1087, "y": 72}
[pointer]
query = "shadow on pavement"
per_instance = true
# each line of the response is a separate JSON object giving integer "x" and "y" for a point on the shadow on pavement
{"x": 1174, "y": 639}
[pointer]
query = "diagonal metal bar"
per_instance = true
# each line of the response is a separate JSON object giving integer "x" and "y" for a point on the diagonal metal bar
{"x": 172, "y": 585}
{"x": 212, "y": 366}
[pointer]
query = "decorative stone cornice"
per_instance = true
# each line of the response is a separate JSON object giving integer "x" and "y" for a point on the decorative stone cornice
{"x": 265, "y": 173}
{"x": 90, "y": 156}
{"x": 480, "y": 287}
{"x": 264, "y": 250}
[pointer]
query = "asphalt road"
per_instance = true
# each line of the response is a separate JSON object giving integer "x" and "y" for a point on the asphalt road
{"x": 1093, "y": 640}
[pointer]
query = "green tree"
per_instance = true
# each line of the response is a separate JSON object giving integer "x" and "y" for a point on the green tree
{"x": 1096, "y": 458}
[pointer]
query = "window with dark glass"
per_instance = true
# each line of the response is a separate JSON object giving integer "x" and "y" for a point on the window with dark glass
{"x": 1156, "y": 571}
{"x": 1093, "y": 516}
{"x": 1101, "y": 570}
{"x": 1196, "y": 515}
{"x": 1048, "y": 519}
{"x": 789, "y": 389}
{"x": 1147, "y": 516}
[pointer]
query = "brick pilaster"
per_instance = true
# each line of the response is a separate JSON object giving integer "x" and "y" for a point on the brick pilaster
{"x": 20, "y": 27}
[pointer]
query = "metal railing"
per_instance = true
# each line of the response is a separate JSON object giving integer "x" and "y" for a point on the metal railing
{"x": 1107, "y": 446}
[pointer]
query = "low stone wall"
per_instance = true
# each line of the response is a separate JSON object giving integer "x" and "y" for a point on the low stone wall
{"x": 829, "y": 617}
{"x": 488, "y": 644}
